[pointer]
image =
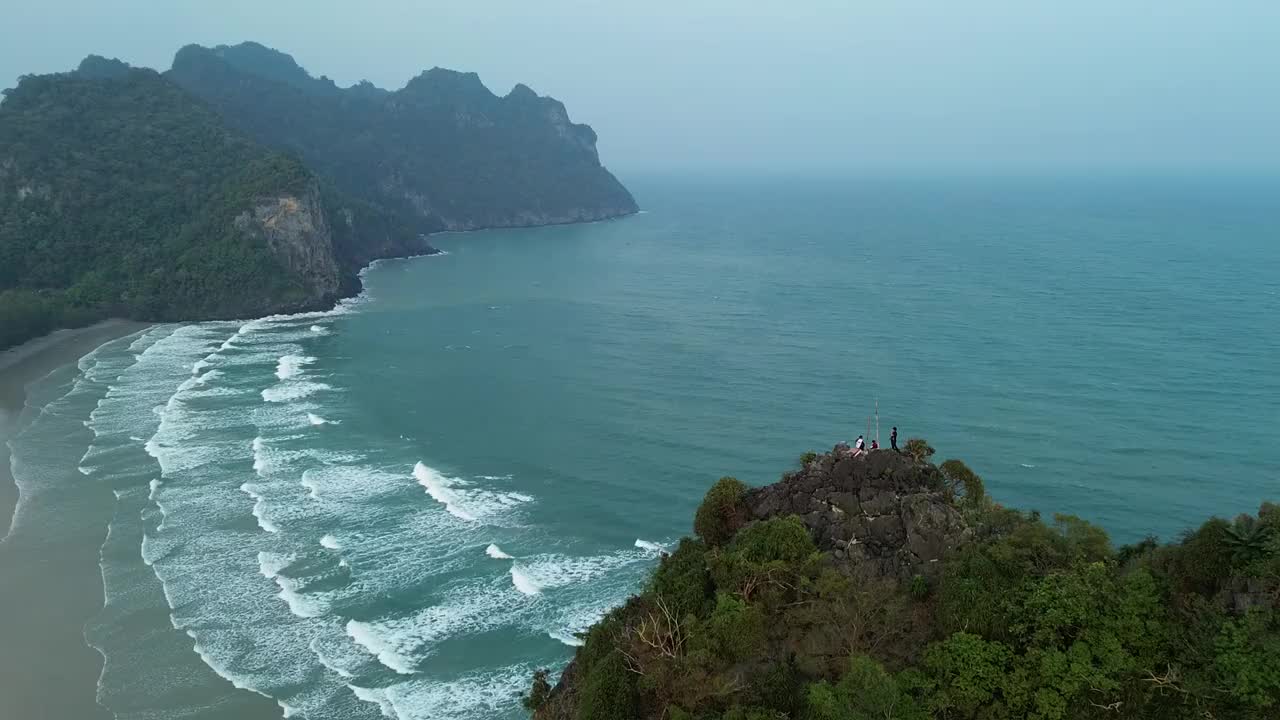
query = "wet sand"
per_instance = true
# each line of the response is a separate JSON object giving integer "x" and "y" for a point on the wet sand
{"x": 46, "y": 669}
{"x": 50, "y": 581}
{"x": 23, "y": 365}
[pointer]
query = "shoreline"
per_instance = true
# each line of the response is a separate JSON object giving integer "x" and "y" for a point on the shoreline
{"x": 27, "y": 363}
{"x": 23, "y": 364}
{"x": 48, "y": 667}
{"x": 53, "y": 583}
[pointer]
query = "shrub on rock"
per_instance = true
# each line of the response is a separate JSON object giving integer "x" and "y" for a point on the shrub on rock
{"x": 918, "y": 449}
{"x": 722, "y": 511}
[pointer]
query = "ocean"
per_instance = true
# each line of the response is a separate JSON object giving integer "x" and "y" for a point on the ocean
{"x": 404, "y": 506}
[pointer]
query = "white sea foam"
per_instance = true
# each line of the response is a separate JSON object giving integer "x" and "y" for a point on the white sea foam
{"x": 330, "y": 663}
{"x": 402, "y": 642}
{"x": 289, "y": 392}
{"x": 259, "y": 509}
{"x": 313, "y": 490}
{"x": 466, "y": 502}
{"x": 377, "y": 697}
{"x": 488, "y": 694}
{"x": 496, "y": 553}
{"x": 544, "y": 572}
{"x": 218, "y": 667}
{"x": 317, "y": 420}
{"x": 210, "y": 576}
{"x": 270, "y": 564}
{"x": 248, "y": 629}
{"x": 206, "y": 377}
{"x": 365, "y": 636}
{"x": 1026, "y": 465}
{"x": 652, "y": 547}
{"x": 440, "y": 488}
{"x": 290, "y": 366}
{"x": 259, "y": 455}
{"x": 523, "y": 582}
{"x": 153, "y": 495}
{"x": 566, "y": 637}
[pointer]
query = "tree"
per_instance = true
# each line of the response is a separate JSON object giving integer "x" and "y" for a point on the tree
{"x": 918, "y": 449}
{"x": 963, "y": 481}
{"x": 722, "y": 511}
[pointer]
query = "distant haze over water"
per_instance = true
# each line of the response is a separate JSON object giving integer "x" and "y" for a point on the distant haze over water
{"x": 1089, "y": 85}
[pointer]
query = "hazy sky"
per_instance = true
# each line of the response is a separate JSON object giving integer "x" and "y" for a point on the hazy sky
{"x": 850, "y": 85}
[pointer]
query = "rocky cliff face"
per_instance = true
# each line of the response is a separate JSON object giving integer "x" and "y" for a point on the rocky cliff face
{"x": 880, "y": 515}
{"x": 295, "y": 229}
{"x": 443, "y": 153}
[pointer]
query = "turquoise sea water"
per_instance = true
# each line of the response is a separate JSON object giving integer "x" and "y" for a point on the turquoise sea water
{"x": 404, "y": 506}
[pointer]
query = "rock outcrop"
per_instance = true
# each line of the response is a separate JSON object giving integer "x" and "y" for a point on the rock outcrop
{"x": 881, "y": 514}
{"x": 883, "y": 586}
{"x": 296, "y": 230}
{"x": 883, "y": 520}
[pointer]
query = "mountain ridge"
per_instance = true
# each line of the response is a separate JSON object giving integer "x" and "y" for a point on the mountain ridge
{"x": 166, "y": 196}
{"x": 122, "y": 195}
{"x": 443, "y": 152}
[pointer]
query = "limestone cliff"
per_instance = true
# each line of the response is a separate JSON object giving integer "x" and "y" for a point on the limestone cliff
{"x": 295, "y": 229}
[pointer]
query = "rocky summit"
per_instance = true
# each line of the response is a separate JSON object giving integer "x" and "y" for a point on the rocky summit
{"x": 881, "y": 514}
{"x": 879, "y": 585}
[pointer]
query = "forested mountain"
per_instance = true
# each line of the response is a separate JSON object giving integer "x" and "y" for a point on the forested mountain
{"x": 882, "y": 586}
{"x": 122, "y": 194}
{"x": 443, "y": 152}
{"x": 237, "y": 184}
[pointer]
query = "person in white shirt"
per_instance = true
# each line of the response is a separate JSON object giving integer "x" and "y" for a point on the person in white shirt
{"x": 859, "y": 447}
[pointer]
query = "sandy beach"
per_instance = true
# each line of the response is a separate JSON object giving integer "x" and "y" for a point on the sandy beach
{"x": 46, "y": 669}
{"x": 29, "y": 362}
{"x": 50, "y": 581}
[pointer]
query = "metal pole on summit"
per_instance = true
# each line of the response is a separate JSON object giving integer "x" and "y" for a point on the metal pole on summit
{"x": 877, "y": 422}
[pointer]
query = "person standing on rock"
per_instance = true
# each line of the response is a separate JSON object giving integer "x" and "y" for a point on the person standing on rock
{"x": 893, "y": 439}
{"x": 859, "y": 447}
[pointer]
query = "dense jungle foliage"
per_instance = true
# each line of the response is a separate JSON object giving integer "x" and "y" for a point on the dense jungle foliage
{"x": 117, "y": 196}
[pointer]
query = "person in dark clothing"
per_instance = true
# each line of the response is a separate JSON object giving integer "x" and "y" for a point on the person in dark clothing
{"x": 893, "y": 439}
